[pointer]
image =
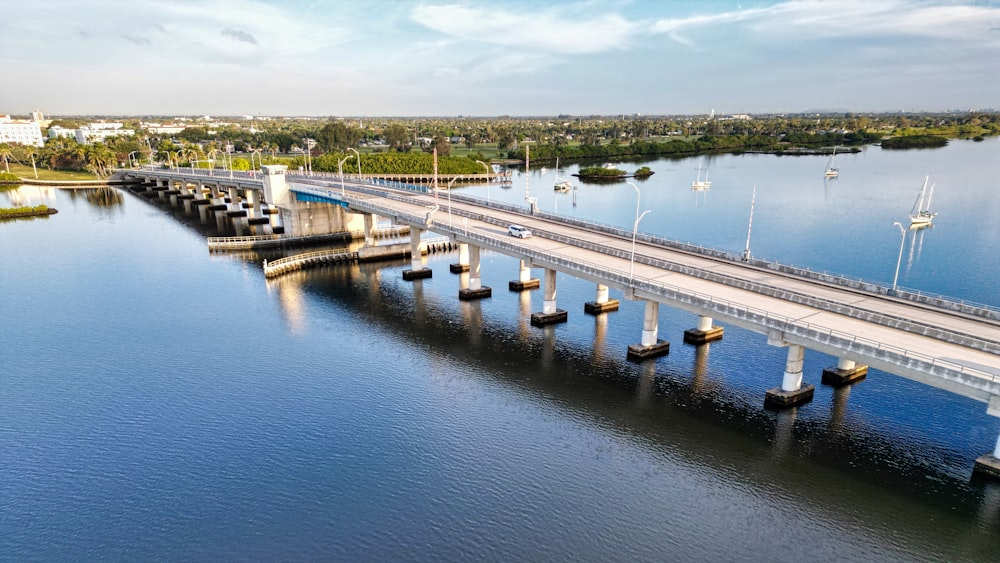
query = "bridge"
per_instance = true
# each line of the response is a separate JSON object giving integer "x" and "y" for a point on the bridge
{"x": 940, "y": 342}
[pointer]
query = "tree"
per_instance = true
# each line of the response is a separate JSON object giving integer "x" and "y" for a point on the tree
{"x": 442, "y": 145}
{"x": 397, "y": 137}
{"x": 337, "y": 137}
{"x": 6, "y": 154}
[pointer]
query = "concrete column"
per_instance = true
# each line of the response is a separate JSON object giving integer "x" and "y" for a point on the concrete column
{"x": 370, "y": 231}
{"x": 792, "y": 391}
{"x": 463, "y": 259}
{"x": 846, "y": 371}
{"x": 650, "y": 346}
{"x": 705, "y": 332}
{"x": 524, "y": 280}
{"x": 476, "y": 290}
{"x": 550, "y": 314}
{"x": 601, "y": 304}
{"x": 417, "y": 270}
{"x": 988, "y": 465}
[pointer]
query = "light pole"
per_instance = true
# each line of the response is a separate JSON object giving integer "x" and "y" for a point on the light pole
{"x": 260, "y": 161}
{"x": 130, "y": 161}
{"x": 488, "y": 170}
{"x": 635, "y": 229}
{"x": 449, "y": 197}
{"x": 359, "y": 160}
{"x": 899, "y": 260}
{"x": 340, "y": 168}
{"x": 230, "y": 158}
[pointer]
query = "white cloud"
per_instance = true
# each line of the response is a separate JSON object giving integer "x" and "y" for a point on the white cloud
{"x": 552, "y": 30}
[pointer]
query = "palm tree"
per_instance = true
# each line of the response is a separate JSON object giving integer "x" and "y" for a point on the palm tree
{"x": 6, "y": 154}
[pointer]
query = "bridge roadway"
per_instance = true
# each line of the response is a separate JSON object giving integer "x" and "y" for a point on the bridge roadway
{"x": 955, "y": 351}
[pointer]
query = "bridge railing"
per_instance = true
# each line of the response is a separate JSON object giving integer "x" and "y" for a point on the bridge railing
{"x": 909, "y": 359}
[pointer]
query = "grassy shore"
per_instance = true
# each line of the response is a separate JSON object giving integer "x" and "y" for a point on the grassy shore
{"x": 45, "y": 174}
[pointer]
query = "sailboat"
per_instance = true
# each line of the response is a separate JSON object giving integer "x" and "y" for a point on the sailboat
{"x": 832, "y": 172}
{"x": 700, "y": 184}
{"x": 922, "y": 215}
{"x": 561, "y": 185}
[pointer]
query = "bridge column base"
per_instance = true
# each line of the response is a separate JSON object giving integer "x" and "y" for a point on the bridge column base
{"x": 987, "y": 465}
{"x": 699, "y": 337}
{"x": 410, "y": 275}
{"x": 778, "y": 398}
{"x": 517, "y": 285}
{"x": 458, "y": 268}
{"x": 638, "y": 352}
{"x": 837, "y": 377}
{"x": 595, "y": 308}
{"x": 473, "y": 294}
{"x": 544, "y": 319}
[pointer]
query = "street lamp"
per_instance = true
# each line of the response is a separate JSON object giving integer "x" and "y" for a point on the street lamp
{"x": 449, "y": 197}
{"x": 902, "y": 232}
{"x": 488, "y": 170}
{"x": 359, "y": 160}
{"x": 130, "y": 161}
{"x": 635, "y": 228}
{"x": 340, "y": 168}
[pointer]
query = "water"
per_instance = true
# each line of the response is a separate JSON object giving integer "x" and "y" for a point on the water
{"x": 160, "y": 402}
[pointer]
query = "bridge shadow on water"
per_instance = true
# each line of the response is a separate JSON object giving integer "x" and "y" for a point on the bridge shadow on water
{"x": 839, "y": 463}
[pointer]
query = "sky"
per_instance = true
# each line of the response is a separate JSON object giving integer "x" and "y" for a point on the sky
{"x": 498, "y": 57}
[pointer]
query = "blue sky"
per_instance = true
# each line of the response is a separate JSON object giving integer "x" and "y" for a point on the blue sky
{"x": 448, "y": 58}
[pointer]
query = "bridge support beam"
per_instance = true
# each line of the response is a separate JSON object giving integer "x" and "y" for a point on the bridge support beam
{"x": 524, "y": 280}
{"x": 846, "y": 371}
{"x": 463, "y": 259}
{"x": 370, "y": 230}
{"x": 476, "y": 289}
{"x": 705, "y": 332}
{"x": 988, "y": 465}
{"x": 601, "y": 304}
{"x": 650, "y": 346}
{"x": 550, "y": 314}
{"x": 417, "y": 270}
{"x": 792, "y": 392}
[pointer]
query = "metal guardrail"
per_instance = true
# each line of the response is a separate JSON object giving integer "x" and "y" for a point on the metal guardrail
{"x": 865, "y": 347}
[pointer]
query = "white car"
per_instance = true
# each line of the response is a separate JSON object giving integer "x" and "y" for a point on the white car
{"x": 518, "y": 231}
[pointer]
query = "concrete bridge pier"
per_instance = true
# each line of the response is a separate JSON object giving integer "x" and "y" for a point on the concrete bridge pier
{"x": 601, "y": 304}
{"x": 370, "y": 226}
{"x": 550, "y": 314}
{"x": 463, "y": 259}
{"x": 989, "y": 464}
{"x": 846, "y": 371}
{"x": 792, "y": 392}
{"x": 705, "y": 332}
{"x": 524, "y": 280}
{"x": 476, "y": 289}
{"x": 417, "y": 270}
{"x": 650, "y": 346}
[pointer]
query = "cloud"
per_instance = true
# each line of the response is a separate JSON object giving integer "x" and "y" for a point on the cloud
{"x": 552, "y": 30}
{"x": 240, "y": 35}
{"x": 136, "y": 40}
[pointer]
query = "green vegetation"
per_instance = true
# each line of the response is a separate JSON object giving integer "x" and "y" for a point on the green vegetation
{"x": 26, "y": 172}
{"x": 8, "y": 178}
{"x": 914, "y": 141}
{"x": 399, "y": 163}
{"x": 10, "y": 212}
{"x": 643, "y": 172}
{"x": 601, "y": 173}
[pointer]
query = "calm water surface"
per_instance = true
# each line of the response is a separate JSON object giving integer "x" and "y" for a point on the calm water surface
{"x": 160, "y": 402}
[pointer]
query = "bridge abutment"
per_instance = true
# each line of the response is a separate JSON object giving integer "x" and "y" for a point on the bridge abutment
{"x": 705, "y": 332}
{"x": 601, "y": 304}
{"x": 846, "y": 371}
{"x": 792, "y": 391}
{"x": 550, "y": 314}
{"x": 650, "y": 346}
{"x": 475, "y": 290}
{"x": 524, "y": 280}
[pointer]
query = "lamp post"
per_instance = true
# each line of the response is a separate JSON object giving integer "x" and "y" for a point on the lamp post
{"x": 899, "y": 260}
{"x": 229, "y": 154}
{"x": 449, "y": 197}
{"x": 488, "y": 170}
{"x": 260, "y": 161}
{"x": 130, "y": 161}
{"x": 635, "y": 229}
{"x": 359, "y": 160}
{"x": 340, "y": 168}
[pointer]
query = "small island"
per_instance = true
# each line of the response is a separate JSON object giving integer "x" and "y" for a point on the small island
{"x": 18, "y": 212}
{"x": 611, "y": 173}
{"x": 914, "y": 142}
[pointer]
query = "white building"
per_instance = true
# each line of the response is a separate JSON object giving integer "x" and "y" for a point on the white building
{"x": 90, "y": 134}
{"x": 163, "y": 128}
{"x": 20, "y": 132}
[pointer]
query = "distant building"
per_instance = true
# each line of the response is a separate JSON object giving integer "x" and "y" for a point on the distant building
{"x": 91, "y": 133}
{"x": 20, "y": 131}
{"x": 163, "y": 128}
